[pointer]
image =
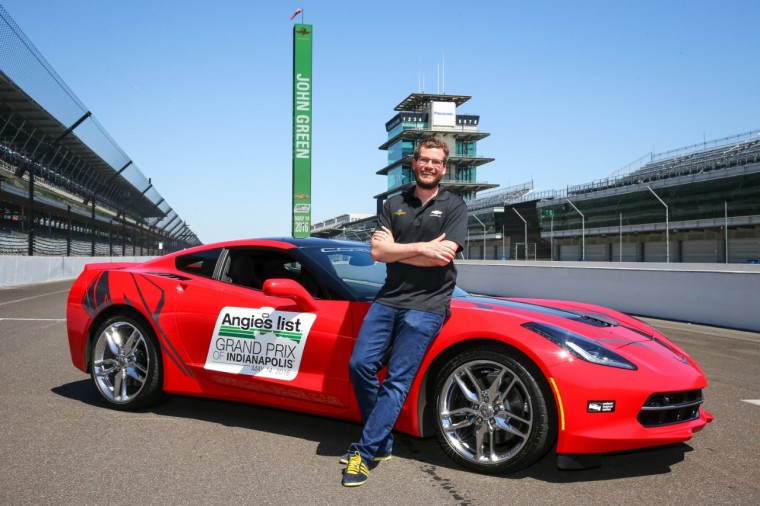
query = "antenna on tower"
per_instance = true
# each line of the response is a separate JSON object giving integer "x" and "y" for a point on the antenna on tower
{"x": 443, "y": 73}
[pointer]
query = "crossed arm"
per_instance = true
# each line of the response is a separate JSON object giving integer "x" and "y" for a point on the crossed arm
{"x": 438, "y": 252}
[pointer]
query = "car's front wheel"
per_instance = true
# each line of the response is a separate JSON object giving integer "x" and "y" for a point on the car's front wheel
{"x": 493, "y": 415}
{"x": 125, "y": 364}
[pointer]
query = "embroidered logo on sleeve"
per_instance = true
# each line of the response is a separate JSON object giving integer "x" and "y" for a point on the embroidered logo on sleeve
{"x": 400, "y": 212}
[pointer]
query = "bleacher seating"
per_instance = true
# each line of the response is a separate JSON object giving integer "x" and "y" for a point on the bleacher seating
{"x": 500, "y": 197}
{"x": 690, "y": 161}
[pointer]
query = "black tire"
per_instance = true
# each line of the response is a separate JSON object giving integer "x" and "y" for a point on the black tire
{"x": 125, "y": 364}
{"x": 493, "y": 415}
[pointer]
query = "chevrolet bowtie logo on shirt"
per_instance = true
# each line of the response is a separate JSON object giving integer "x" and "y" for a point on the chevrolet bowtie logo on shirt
{"x": 400, "y": 212}
{"x": 437, "y": 213}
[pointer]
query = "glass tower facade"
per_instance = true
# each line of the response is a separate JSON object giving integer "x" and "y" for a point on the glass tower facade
{"x": 423, "y": 115}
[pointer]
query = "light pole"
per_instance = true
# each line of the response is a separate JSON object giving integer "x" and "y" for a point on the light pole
{"x": 526, "y": 231}
{"x": 725, "y": 217}
{"x": 484, "y": 235}
{"x": 620, "y": 249}
{"x": 551, "y": 232}
{"x": 503, "y": 242}
{"x": 583, "y": 231}
{"x": 667, "y": 227}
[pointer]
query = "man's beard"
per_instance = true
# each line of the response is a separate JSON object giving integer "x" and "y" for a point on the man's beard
{"x": 425, "y": 185}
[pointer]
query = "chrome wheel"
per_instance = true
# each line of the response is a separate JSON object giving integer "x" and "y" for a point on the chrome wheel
{"x": 492, "y": 414}
{"x": 125, "y": 364}
{"x": 121, "y": 362}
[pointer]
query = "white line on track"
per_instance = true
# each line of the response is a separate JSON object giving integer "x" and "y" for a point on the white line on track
{"x": 752, "y": 401}
{"x": 33, "y": 319}
{"x": 30, "y": 298}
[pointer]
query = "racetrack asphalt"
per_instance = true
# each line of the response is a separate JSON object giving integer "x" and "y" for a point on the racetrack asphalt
{"x": 60, "y": 445}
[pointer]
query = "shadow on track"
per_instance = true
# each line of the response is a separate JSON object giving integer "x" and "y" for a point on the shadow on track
{"x": 333, "y": 437}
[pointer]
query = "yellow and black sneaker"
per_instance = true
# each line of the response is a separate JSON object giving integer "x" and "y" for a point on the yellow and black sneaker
{"x": 356, "y": 472}
{"x": 377, "y": 458}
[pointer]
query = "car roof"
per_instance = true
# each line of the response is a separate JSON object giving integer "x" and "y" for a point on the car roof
{"x": 284, "y": 243}
{"x": 317, "y": 242}
{"x": 277, "y": 242}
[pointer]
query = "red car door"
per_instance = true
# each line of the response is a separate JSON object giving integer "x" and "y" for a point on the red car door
{"x": 241, "y": 340}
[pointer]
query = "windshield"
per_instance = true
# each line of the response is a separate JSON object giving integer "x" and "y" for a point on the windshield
{"x": 361, "y": 275}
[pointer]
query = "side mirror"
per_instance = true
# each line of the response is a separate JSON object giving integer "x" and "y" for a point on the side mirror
{"x": 289, "y": 289}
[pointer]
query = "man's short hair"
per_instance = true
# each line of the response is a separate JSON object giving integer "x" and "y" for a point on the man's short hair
{"x": 432, "y": 143}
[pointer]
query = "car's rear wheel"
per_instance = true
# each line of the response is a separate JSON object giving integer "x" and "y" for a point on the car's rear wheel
{"x": 493, "y": 415}
{"x": 125, "y": 364}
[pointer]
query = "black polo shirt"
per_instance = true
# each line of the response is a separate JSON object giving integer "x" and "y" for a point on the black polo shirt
{"x": 424, "y": 288}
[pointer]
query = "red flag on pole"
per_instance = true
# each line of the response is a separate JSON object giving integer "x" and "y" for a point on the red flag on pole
{"x": 296, "y": 13}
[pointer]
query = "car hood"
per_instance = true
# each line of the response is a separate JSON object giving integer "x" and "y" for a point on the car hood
{"x": 608, "y": 327}
{"x": 632, "y": 338}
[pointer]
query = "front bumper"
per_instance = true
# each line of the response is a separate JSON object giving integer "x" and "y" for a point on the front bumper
{"x": 586, "y": 427}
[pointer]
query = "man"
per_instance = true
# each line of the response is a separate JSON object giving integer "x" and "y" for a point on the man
{"x": 420, "y": 232}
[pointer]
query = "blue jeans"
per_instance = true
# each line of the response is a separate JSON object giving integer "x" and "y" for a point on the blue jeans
{"x": 408, "y": 333}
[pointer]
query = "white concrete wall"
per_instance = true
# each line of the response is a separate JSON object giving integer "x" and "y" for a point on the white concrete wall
{"x": 17, "y": 270}
{"x": 712, "y": 294}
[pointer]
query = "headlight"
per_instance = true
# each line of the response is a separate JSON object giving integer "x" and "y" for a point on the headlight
{"x": 579, "y": 346}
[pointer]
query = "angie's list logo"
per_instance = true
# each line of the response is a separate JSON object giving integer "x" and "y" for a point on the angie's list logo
{"x": 259, "y": 342}
{"x": 249, "y": 327}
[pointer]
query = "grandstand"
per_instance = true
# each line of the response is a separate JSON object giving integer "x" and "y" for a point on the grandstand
{"x": 738, "y": 150}
{"x": 349, "y": 226}
{"x": 66, "y": 187}
{"x": 500, "y": 197}
{"x": 700, "y": 203}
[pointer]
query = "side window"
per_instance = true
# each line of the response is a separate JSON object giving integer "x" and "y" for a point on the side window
{"x": 251, "y": 268}
{"x": 201, "y": 263}
{"x": 241, "y": 269}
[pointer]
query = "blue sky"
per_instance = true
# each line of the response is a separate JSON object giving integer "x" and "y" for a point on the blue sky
{"x": 198, "y": 93}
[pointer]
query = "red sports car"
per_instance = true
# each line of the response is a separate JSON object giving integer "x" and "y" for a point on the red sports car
{"x": 273, "y": 322}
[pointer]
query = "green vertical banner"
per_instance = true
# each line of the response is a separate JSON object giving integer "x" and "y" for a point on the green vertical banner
{"x": 302, "y": 130}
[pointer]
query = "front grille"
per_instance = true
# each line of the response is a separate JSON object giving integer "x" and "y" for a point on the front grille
{"x": 670, "y": 408}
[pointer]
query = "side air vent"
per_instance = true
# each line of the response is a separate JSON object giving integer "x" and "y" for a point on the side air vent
{"x": 171, "y": 275}
{"x": 598, "y": 320}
